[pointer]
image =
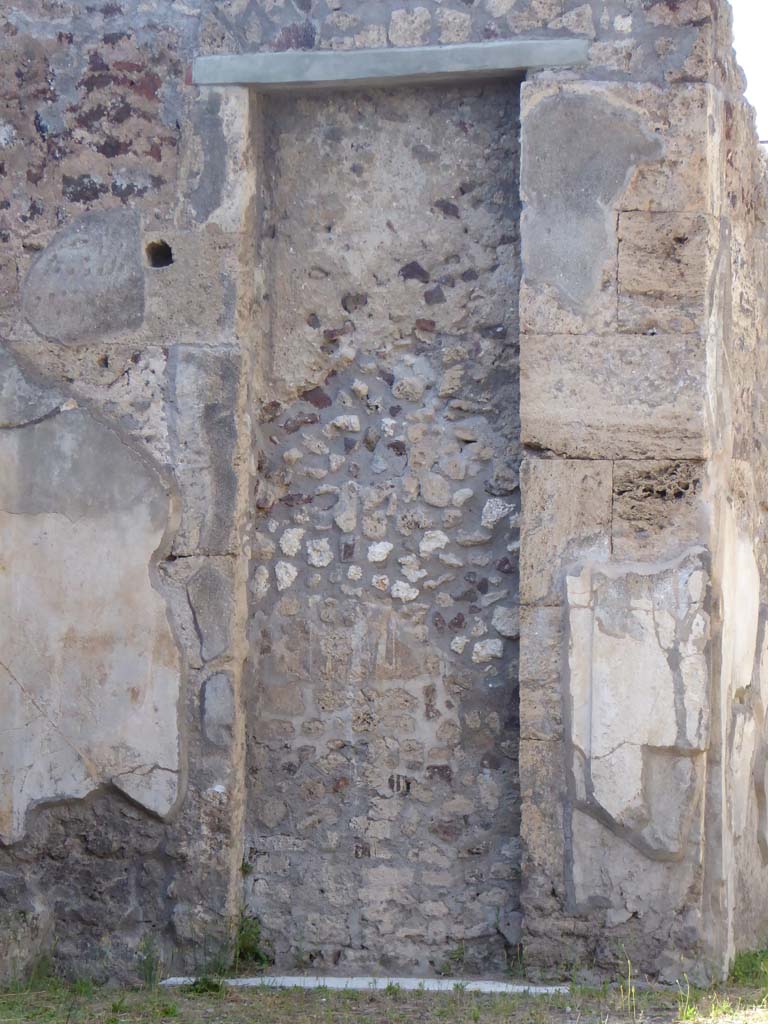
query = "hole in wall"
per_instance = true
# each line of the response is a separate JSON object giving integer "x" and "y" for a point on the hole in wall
{"x": 159, "y": 254}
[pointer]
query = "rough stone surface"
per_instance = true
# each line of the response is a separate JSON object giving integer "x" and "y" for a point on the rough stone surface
{"x": 628, "y": 396}
{"x": 244, "y": 342}
{"x": 89, "y": 281}
{"x": 383, "y": 802}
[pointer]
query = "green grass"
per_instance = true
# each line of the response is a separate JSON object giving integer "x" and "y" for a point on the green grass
{"x": 208, "y": 1001}
{"x": 751, "y": 968}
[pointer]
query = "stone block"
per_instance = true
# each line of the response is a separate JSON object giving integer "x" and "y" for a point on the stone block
{"x": 566, "y": 519}
{"x": 589, "y": 149}
{"x": 664, "y": 261}
{"x": 659, "y": 509}
{"x": 541, "y": 668}
{"x": 638, "y": 701}
{"x": 614, "y": 396}
{"x": 202, "y": 411}
{"x": 211, "y": 598}
{"x": 217, "y": 707}
{"x": 542, "y": 834}
{"x": 194, "y": 296}
{"x": 89, "y": 281}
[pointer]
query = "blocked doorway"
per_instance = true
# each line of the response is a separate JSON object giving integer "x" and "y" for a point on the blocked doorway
{"x": 383, "y": 799}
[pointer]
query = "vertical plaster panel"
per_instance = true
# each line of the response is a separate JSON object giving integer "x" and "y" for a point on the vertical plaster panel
{"x": 90, "y": 670}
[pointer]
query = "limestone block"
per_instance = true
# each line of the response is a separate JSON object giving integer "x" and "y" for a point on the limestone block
{"x": 589, "y": 150}
{"x": 659, "y": 509}
{"x": 202, "y": 403}
{"x": 639, "y": 698}
{"x": 542, "y": 786}
{"x": 89, "y": 281}
{"x": 90, "y": 669}
{"x": 664, "y": 263}
{"x": 614, "y": 396}
{"x": 192, "y": 298}
{"x": 541, "y": 662}
{"x": 566, "y": 519}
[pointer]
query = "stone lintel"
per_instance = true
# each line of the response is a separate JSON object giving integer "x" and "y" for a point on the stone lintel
{"x": 334, "y": 69}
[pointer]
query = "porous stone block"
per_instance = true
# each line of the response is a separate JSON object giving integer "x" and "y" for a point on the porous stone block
{"x": 541, "y": 665}
{"x": 614, "y": 396}
{"x": 542, "y": 831}
{"x": 193, "y": 297}
{"x": 664, "y": 261}
{"x": 567, "y": 517}
{"x": 659, "y": 509}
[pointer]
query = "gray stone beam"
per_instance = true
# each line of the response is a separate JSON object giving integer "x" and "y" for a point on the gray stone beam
{"x": 334, "y": 69}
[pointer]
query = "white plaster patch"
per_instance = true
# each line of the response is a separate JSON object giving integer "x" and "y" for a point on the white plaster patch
{"x": 641, "y": 744}
{"x": 89, "y": 670}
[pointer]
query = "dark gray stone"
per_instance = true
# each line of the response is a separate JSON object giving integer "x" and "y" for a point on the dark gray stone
{"x": 217, "y": 705}
{"x": 89, "y": 282}
{"x": 210, "y": 597}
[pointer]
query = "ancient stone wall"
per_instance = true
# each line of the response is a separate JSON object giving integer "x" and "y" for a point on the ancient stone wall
{"x": 626, "y": 326}
{"x": 383, "y": 794}
{"x": 124, "y": 454}
{"x": 249, "y": 344}
{"x": 737, "y": 481}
